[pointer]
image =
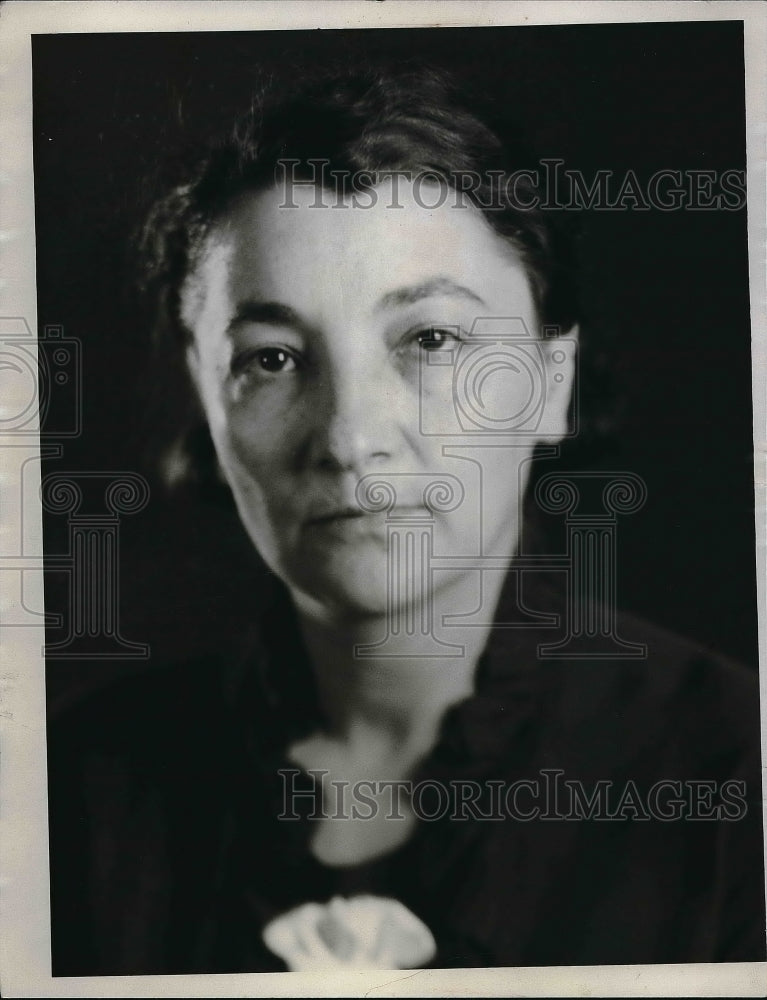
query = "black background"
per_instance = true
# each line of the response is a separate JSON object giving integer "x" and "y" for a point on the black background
{"x": 667, "y": 293}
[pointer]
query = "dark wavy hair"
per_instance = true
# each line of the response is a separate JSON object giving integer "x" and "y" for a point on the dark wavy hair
{"x": 368, "y": 122}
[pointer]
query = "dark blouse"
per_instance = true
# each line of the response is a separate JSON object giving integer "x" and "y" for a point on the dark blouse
{"x": 168, "y": 854}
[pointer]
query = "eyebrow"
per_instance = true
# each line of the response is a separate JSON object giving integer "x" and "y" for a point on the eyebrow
{"x": 273, "y": 313}
{"x": 279, "y": 314}
{"x": 411, "y": 294}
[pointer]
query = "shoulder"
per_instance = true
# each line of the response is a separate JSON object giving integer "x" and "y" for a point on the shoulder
{"x": 140, "y": 708}
{"x": 165, "y": 732}
{"x": 677, "y": 701}
{"x": 139, "y": 776}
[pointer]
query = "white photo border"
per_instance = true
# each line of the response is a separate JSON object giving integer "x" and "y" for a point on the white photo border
{"x": 25, "y": 965}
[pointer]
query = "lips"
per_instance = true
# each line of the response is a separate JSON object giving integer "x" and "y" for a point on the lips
{"x": 342, "y": 514}
{"x": 351, "y": 514}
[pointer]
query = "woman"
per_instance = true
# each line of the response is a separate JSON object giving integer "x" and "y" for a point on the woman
{"x": 379, "y": 324}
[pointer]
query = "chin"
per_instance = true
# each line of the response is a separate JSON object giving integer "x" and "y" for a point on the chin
{"x": 357, "y": 590}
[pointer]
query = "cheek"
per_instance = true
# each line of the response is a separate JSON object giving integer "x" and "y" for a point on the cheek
{"x": 263, "y": 489}
{"x": 505, "y": 475}
{"x": 251, "y": 454}
{"x": 255, "y": 435}
{"x": 482, "y": 389}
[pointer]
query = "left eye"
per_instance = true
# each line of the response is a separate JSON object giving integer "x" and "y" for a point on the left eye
{"x": 436, "y": 338}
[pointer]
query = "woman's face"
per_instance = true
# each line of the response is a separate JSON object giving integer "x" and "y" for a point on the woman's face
{"x": 326, "y": 344}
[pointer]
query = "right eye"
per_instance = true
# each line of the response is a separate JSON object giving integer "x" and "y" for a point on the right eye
{"x": 265, "y": 361}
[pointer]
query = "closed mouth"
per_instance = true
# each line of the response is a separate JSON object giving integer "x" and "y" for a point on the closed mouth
{"x": 357, "y": 514}
{"x": 346, "y": 513}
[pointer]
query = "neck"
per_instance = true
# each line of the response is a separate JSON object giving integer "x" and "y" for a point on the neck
{"x": 403, "y": 695}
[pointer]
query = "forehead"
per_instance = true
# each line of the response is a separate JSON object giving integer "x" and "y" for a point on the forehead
{"x": 321, "y": 252}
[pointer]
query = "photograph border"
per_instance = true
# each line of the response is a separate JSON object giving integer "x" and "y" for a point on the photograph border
{"x": 25, "y": 961}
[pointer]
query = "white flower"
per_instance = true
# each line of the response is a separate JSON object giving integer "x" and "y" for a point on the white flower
{"x": 365, "y": 932}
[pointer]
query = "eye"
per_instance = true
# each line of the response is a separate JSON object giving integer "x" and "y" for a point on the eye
{"x": 437, "y": 338}
{"x": 265, "y": 361}
{"x": 274, "y": 360}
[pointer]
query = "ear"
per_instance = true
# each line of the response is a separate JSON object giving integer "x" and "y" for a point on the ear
{"x": 560, "y": 363}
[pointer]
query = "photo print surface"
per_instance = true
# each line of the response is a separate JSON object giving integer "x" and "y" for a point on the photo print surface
{"x": 398, "y": 498}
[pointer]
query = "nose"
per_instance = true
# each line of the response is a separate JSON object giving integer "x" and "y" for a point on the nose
{"x": 354, "y": 424}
